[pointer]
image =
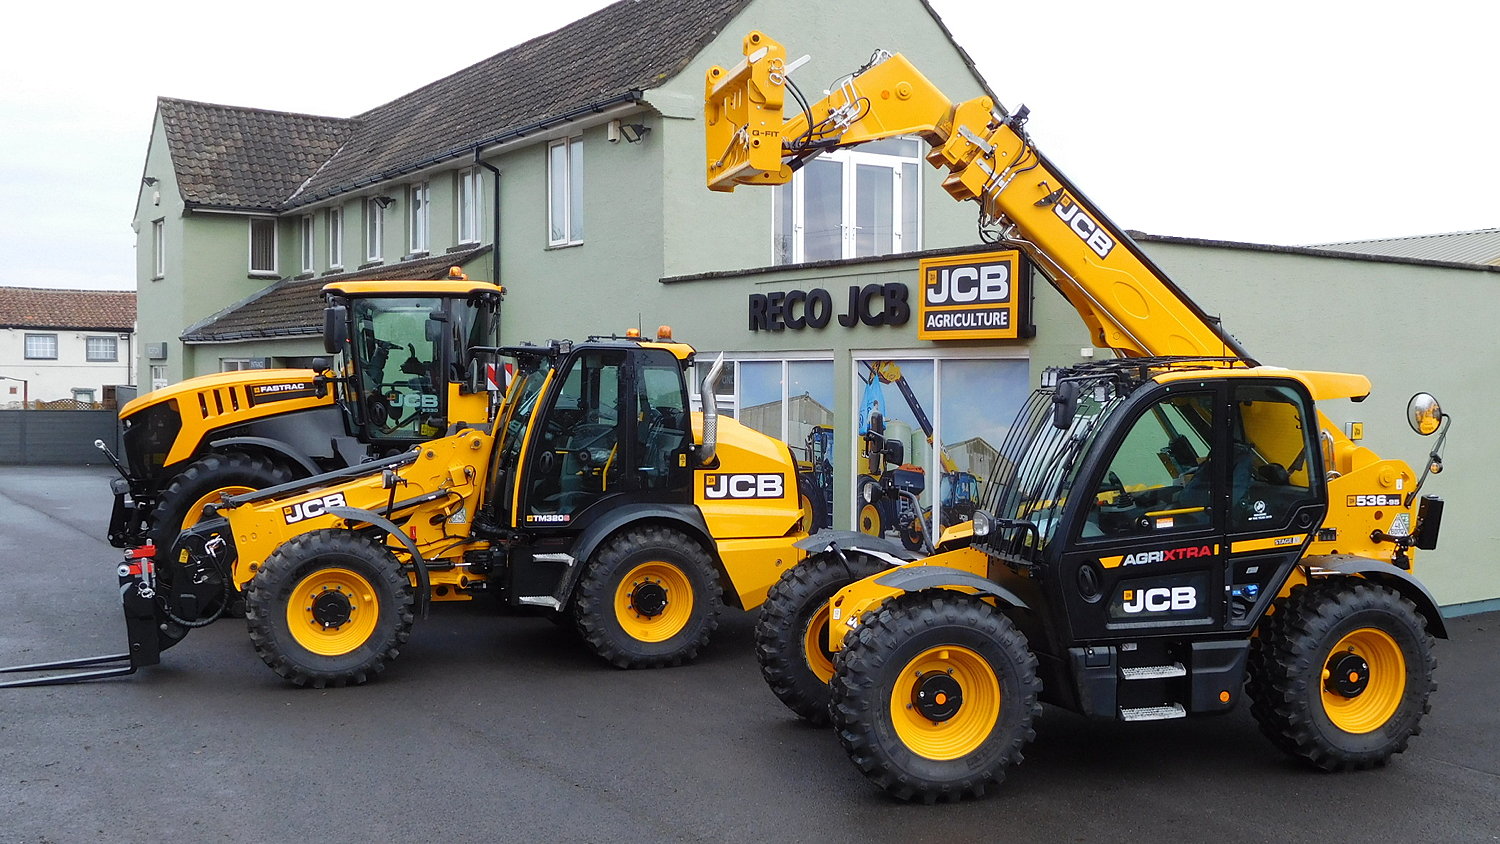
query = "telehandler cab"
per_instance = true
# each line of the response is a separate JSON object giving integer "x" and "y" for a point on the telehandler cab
{"x": 1168, "y": 526}
{"x": 595, "y": 496}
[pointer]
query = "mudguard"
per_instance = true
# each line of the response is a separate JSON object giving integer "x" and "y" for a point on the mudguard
{"x": 850, "y": 540}
{"x": 917, "y": 578}
{"x": 424, "y": 581}
{"x": 1387, "y": 575}
{"x": 269, "y": 444}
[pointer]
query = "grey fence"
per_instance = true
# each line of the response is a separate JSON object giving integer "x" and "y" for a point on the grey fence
{"x": 57, "y": 437}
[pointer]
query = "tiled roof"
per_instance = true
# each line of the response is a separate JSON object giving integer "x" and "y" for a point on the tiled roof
{"x": 35, "y": 307}
{"x": 250, "y": 159}
{"x": 1475, "y": 247}
{"x": 245, "y": 158}
{"x": 294, "y": 307}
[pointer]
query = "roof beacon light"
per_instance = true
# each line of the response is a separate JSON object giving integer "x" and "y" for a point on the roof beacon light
{"x": 664, "y": 333}
{"x": 457, "y": 274}
{"x": 633, "y": 333}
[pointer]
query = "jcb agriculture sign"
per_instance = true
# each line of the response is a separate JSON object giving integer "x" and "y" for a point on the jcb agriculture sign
{"x": 974, "y": 297}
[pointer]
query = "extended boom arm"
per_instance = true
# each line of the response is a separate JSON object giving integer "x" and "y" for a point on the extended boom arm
{"x": 1128, "y": 304}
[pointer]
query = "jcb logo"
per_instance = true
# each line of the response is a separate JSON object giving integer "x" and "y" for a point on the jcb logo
{"x": 1087, "y": 229}
{"x": 986, "y": 283}
{"x": 312, "y": 508}
{"x": 413, "y": 401}
{"x": 744, "y": 486}
{"x": 1161, "y": 599}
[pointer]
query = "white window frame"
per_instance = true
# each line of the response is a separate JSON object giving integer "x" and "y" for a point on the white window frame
{"x": 27, "y": 348}
{"x": 158, "y": 249}
{"x": 83, "y": 395}
{"x": 900, "y": 166}
{"x": 374, "y": 231}
{"x": 470, "y": 199}
{"x": 158, "y": 376}
{"x": 565, "y": 192}
{"x": 418, "y": 219}
{"x": 265, "y": 224}
{"x": 305, "y": 232}
{"x": 91, "y": 356}
{"x": 336, "y": 237}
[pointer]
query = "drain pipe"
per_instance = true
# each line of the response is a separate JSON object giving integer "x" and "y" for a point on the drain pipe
{"x": 495, "y": 230}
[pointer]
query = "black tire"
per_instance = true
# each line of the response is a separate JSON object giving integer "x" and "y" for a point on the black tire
{"x": 322, "y": 652}
{"x": 936, "y": 645}
{"x": 649, "y": 598}
{"x": 1374, "y": 648}
{"x": 180, "y": 504}
{"x": 791, "y": 634}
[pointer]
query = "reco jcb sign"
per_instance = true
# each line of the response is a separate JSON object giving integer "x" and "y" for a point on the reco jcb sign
{"x": 974, "y": 297}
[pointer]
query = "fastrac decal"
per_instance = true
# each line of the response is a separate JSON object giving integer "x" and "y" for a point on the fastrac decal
{"x": 718, "y": 486}
{"x": 312, "y": 508}
{"x": 1160, "y": 599}
{"x": 1169, "y": 555}
{"x": 262, "y": 393}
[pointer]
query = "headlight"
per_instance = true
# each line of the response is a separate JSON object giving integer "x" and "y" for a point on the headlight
{"x": 982, "y": 523}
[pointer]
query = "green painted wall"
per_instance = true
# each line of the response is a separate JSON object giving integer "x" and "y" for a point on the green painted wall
{"x": 1408, "y": 327}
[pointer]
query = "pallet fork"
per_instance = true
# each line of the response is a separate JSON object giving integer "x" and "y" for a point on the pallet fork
{"x": 142, "y": 627}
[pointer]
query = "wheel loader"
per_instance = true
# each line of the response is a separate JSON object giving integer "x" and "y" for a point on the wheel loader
{"x": 595, "y": 497}
{"x": 1169, "y": 531}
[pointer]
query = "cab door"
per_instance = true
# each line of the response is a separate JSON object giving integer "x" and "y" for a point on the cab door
{"x": 1146, "y": 547}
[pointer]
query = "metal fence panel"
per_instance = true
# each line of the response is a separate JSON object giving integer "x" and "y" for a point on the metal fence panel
{"x": 56, "y": 437}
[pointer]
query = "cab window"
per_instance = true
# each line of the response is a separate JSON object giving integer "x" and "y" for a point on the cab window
{"x": 1162, "y": 476}
{"x": 1273, "y": 445}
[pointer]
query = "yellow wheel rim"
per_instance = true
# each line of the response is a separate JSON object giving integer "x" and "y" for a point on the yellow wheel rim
{"x": 1364, "y": 679}
{"x": 194, "y": 513}
{"x": 926, "y": 717}
{"x": 332, "y": 611}
{"x": 869, "y": 520}
{"x": 654, "y": 602}
{"x": 815, "y": 643}
{"x": 808, "y": 516}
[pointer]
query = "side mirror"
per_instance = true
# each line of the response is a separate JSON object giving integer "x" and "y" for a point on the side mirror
{"x": 1424, "y": 414}
{"x": 1064, "y": 405}
{"x": 436, "y": 321}
{"x": 894, "y": 452}
{"x": 335, "y": 328}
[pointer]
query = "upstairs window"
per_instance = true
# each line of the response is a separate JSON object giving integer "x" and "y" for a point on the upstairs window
{"x": 857, "y": 203}
{"x": 262, "y": 246}
{"x": 565, "y": 192}
{"x": 416, "y": 219}
{"x": 101, "y": 349}
{"x": 335, "y": 238}
{"x": 41, "y": 347}
{"x": 305, "y": 236}
{"x": 158, "y": 249}
{"x": 375, "y": 228}
{"x": 470, "y": 217}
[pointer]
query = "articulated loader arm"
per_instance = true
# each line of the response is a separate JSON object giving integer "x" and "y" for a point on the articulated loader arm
{"x": 1128, "y": 304}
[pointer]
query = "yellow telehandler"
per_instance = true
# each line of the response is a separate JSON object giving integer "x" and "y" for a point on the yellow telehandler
{"x": 1170, "y": 526}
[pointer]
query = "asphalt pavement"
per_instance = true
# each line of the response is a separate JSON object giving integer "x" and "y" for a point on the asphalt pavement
{"x": 503, "y": 728}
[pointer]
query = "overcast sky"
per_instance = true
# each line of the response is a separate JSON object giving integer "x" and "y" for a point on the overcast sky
{"x": 1272, "y": 122}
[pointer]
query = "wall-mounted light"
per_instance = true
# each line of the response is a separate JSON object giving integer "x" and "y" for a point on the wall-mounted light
{"x": 634, "y": 132}
{"x": 384, "y": 202}
{"x": 149, "y": 181}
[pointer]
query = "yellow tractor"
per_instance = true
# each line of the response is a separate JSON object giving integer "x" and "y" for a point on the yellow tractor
{"x": 595, "y": 496}
{"x": 403, "y": 374}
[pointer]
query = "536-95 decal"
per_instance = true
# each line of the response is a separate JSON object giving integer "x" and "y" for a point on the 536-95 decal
{"x": 1376, "y": 500}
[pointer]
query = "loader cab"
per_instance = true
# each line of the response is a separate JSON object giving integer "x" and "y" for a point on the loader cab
{"x": 1169, "y": 501}
{"x": 408, "y": 372}
{"x": 589, "y": 425}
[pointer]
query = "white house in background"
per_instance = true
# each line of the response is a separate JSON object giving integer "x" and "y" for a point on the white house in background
{"x": 64, "y": 344}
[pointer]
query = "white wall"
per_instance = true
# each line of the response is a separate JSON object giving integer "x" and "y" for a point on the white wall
{"x": 49, "y": 380}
